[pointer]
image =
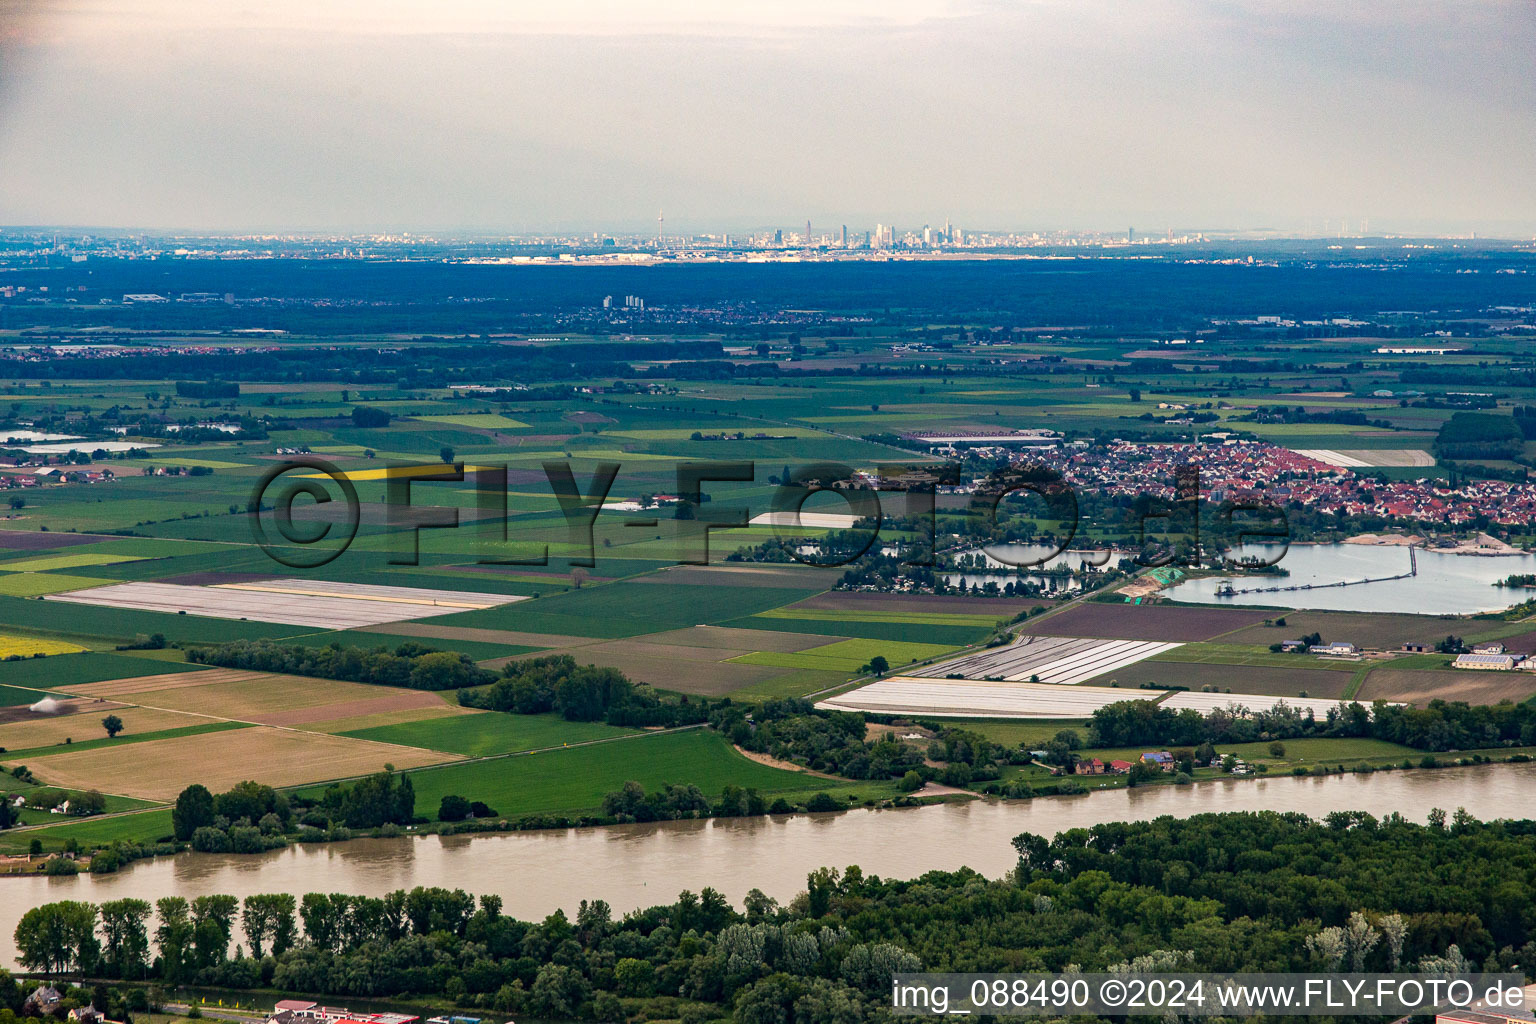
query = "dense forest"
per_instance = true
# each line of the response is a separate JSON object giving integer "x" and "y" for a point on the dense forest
{"x": 1251, "y": 891}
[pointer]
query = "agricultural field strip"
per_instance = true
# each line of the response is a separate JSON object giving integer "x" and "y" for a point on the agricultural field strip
{"x": 35, "y": 584}
{"x": 127, "y": 686}
{"x": 461, "y": 761}
{"x": 1250, "y": 655}
{"x": 1058, "y": 660}
{"x": 318, "y": 610}
{"x": 795, "y": 611}
{"x": 1332, "y": 458}
{"x": 281, "y": 700}
{"x": 457, "y": 599}
{"x": 67, "y": 561}
{"x": 1351, "y": 458}
{"x": 910, "y": 695}
{"x": 281, "y": 757}
{"x": 443, "y": 759}
{"x": 127, "y": 739}
{"x": 819, "y": 520}
{"x": 491, "y": 421}
{"x": 12, "y": 646}
{"x": 45, "y": 730}
{"x": 257, "y": 698}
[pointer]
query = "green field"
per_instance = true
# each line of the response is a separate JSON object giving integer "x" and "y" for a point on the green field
{"x": 900, "y": 632}
{"x": 492, "y": 732}
{"x": 630, "y": 608}
{"x": 64, "y": 670}
{"x": 1322, "y": 751}
{"x": 477, "y": 650}
{"x": 875, "y": 615}
{"x": 1251, "y": 655}
{"x": 144, "y": 827}
{"x": 206, "y": 463}
{"x": 111, "y": 804}
{"x": 489, "y": 421}
{"x": 69, "y": 561}
{"x": 796, "y": 683}
{"x": 1017, "y": 732}
{"x": 574, "y": 781}
{"x": 126, "y": 623}
{"x": 848, "y": 655}
{"x": 11, "y": 696}
{"x": 36, "y": 584}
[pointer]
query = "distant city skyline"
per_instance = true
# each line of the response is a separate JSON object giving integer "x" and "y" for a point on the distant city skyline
{"x": 686, "y": 117}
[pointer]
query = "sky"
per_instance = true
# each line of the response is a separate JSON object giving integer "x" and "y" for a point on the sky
{"x": 1412, "y": 116}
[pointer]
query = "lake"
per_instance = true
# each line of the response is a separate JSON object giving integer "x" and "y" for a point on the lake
{"x": 633, "y": 866}
{"x": 1017, "y": 557}
{"x": 1447, "y": 584}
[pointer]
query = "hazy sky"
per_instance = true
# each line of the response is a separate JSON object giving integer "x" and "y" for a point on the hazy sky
{"x": 732, "y": 114}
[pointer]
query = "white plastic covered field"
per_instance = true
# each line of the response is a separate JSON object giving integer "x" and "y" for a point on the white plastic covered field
{"x": 320, "y": 603}
{"x": 1050, "y": 659}
{"x": 961, "y": 698}
{"x": 966, "y": 698}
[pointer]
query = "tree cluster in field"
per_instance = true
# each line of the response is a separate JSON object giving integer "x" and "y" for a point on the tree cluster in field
{"x": 247, "y": 818}
{"x": 453, "y": 807}
{"x": 368, "y": 417}
{"x": 383, "y": 798}
{"x": 1442, "y": 725}
{"x": 409, "y": 664}
{"x": 251, "y": 817}
{"x": 207, "y": 389}
{"x": 631, "y": 803}
{"x": 1219, "y": 892}
{"x": 833, "y": 741}
{"x": 582, "y": 693}
{"x": 144, "y": 642}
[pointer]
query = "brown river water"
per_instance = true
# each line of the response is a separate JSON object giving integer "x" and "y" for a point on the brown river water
{"x": 633, "y": 866}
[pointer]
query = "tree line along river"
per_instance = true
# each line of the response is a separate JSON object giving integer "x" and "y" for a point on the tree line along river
{"x": 634, "y": 866}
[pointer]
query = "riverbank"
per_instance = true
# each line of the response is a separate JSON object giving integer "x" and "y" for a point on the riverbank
{"x": 1380, "y": 539}
{"x": 634, "y": 866}
{"x": 1483, "y": 544}
{"x": 1318, "y": 757}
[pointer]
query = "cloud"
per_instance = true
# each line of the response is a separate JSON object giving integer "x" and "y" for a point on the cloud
{"x": 594, "y": 113}
{"x": 494, "y": 17}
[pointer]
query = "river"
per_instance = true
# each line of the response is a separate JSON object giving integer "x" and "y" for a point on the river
{"x": 641, "y": 865}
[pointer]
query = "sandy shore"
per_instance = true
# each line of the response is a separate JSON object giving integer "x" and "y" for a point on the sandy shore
{"x": 1384, "y": 539}
{"x": 1482, "y": 544}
